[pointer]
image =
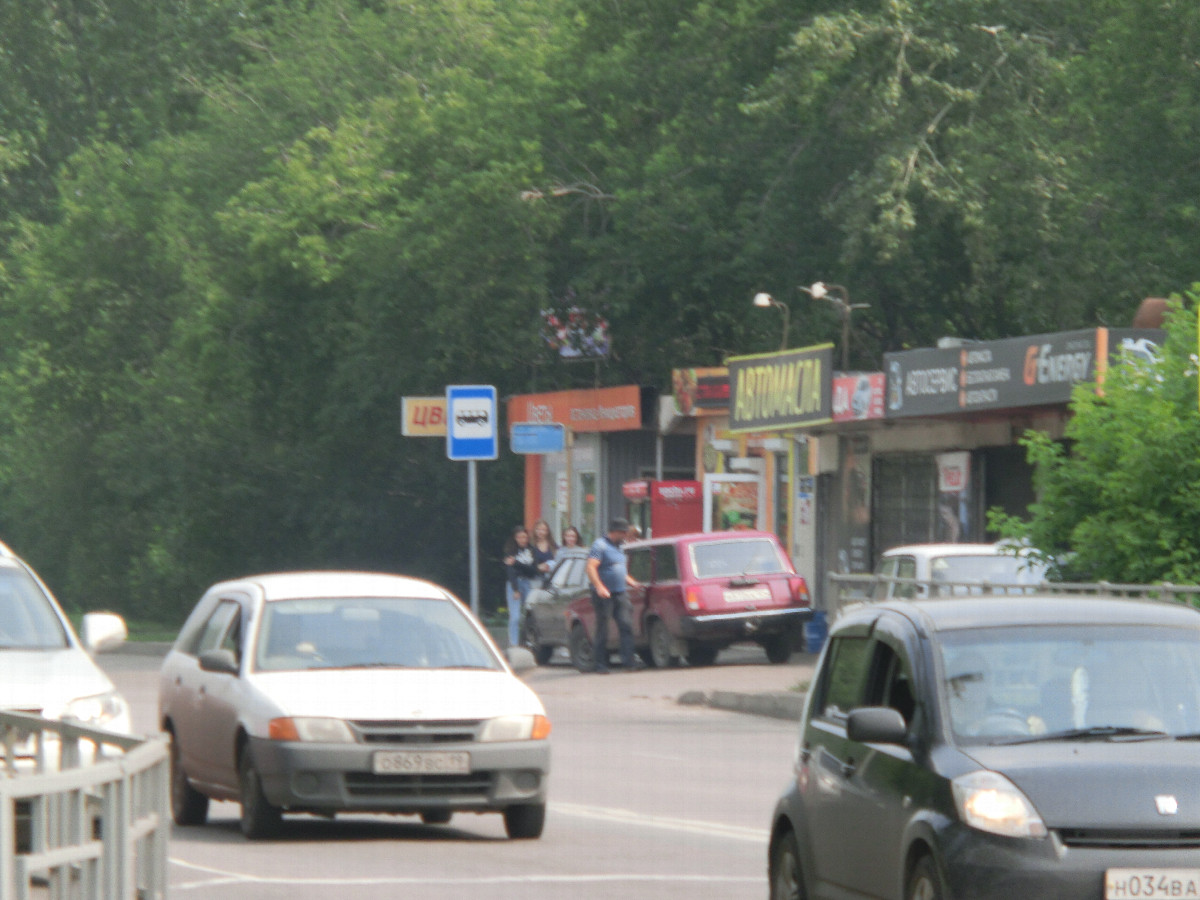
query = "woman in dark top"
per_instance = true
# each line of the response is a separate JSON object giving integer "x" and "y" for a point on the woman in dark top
{"x": 521, "y": 568}
{"x": 544, "y": 550}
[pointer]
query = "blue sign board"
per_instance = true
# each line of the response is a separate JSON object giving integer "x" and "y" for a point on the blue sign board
{"x": 471, "y": 416}
{"x": 531, "y": 437}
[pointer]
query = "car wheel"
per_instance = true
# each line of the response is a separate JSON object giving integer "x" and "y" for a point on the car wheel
{"x": 662, "y": 652}
{"x": 526, "y": 821}
{"x": 923, "y": 884}
{"x": 786, "y": 883}
{"x": 778, "y": 647}
{"x": 532, "y": 641}
{"x": 188, "y": 805}
{"x": 701, "y": 654}
{"x": 581, "y": 649}
{"x": 259, "y": 818}
{"x": 437, "y": 816}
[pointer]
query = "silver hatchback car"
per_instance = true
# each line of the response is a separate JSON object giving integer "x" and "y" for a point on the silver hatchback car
{"x": 329, "y": 692}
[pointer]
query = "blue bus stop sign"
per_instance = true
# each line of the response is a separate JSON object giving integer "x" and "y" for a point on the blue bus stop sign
{"x": 471, "y": 415}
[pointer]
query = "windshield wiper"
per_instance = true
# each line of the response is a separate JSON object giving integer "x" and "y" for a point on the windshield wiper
{"x": 1090, "y": 733}
{"x": 377, "y": 664}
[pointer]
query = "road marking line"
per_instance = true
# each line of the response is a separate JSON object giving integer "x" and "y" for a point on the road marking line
{"x": 692, "y": 826}
{"x": 224, "y": 876}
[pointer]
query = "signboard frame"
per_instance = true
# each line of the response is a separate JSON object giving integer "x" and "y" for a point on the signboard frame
{"x": 469, "y": 437}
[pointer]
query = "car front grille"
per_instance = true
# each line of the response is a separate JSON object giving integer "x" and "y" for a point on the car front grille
{"x": 417, "y": 732}
{"x": 403, "y": 787}
{"x": 1166, "y": 839}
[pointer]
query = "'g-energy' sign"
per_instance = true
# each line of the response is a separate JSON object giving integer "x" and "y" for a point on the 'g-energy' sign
{"x": 775, "y": 391}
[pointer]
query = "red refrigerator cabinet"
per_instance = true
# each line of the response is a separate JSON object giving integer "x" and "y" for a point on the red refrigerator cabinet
{"x": 664, "y": 508}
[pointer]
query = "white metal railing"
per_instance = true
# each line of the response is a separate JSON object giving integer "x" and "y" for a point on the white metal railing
{"x": 84, "y": 813}
{"x": 844, "y": 590}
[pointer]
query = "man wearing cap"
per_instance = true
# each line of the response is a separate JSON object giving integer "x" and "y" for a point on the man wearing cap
{"x": 610, "y": 578}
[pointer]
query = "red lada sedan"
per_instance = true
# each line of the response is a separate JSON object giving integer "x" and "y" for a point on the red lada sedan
{"x": 699, "y": 593}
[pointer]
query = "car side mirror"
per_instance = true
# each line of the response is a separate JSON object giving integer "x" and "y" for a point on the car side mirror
{"x": 102, "y": 631}
{"x": 876, "y": 725}
{"x": 219, "y": 661}
{"x": 520, "y": 659}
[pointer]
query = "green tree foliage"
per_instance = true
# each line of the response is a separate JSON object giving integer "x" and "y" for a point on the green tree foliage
{"x": 1119, "y": 500}
{"x": 233, "y": 234}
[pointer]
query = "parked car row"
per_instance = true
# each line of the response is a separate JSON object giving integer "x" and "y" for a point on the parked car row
{"x": 957, "y": 746}
{"x": 696, "y": 595}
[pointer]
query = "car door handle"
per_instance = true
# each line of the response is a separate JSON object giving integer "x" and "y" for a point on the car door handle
{"x": 848, "y": 768}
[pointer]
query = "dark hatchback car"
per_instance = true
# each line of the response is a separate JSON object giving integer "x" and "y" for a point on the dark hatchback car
{"x": 543, "y": 622}
{"x": 699, "y": 593}
{"x": 998, "y": 747}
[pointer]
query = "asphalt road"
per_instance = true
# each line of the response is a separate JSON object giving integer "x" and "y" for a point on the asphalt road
{"x": 649, "y": 798}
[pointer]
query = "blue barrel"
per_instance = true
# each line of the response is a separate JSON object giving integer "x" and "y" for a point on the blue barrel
{"x": 816, "y": 630}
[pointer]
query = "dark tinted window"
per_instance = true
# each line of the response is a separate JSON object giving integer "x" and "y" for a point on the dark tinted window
{"x": 890, "y": 682}
{"x": 639, "y": 564}
{"x": 844, "y": 681}
{"x": 665, "y": 566}
{"x": 213, "y": 635}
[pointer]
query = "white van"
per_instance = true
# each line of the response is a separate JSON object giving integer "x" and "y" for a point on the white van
{"x": 45, "y": 669}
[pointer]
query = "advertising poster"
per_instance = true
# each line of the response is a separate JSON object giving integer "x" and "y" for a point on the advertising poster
{"x": 954, "y": 497}
{"x": 732, "y": 502}
{"x": 854, "y": 552}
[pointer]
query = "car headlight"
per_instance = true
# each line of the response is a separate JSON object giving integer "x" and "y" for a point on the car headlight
{"x": 306, "y": 728}
{"x": 990, "y": 802}
{"x": 515, "y": 728}
{"x": 100, "y": 710}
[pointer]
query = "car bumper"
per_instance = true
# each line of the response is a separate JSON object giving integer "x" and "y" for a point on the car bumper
{"x": 995, "y": 868}
{"x": 334, "y": 778}
{"x": 743, "y": 625}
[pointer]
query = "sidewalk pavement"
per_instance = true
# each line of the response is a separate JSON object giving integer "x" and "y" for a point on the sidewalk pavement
{"x": 740, "y": 681}
{"x": 776, "y": 704}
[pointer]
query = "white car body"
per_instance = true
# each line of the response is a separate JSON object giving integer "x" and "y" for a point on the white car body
{"x": 957, "y": 565}
{"x": 45, "y": 669}
{"x": 372, "y": 673}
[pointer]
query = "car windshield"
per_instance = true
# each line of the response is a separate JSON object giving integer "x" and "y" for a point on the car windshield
{"x": 369, "y": 632}
{"x": 27, "y": 620}
{"x": 993, "y": 569}
{"x": 1077, "y": 682}
{"x": 723, "y": 559}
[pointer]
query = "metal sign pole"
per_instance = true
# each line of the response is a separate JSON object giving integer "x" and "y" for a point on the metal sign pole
{"x": 473, "y": 527}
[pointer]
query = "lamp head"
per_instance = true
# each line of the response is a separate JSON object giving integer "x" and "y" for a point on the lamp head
{"x": 819, "y": 291}
{"x": 761, "y": 299}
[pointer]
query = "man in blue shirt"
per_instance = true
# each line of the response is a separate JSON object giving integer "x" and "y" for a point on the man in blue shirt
{"x": 609, "y": 577}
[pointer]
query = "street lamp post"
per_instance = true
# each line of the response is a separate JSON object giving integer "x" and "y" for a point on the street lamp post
{"x": 822, "y": 291}
{"x": 765, "y": 300}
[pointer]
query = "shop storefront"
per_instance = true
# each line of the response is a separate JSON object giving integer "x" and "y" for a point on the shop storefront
{"x": 608, "y": 441}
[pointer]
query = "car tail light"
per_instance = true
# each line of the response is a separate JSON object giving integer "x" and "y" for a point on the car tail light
{"x": 799, "y": 588}
{"x": 693, "y": 599}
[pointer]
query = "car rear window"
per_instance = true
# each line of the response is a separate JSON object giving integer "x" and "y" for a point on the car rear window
{"x": 992, "y": 569}
{"x": 755, "y": 556}
{"x": 369, "y": 632}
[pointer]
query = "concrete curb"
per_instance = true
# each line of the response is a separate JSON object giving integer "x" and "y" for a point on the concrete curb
{"x": 776, "y": 704}
{"x": 143, "y": 648}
